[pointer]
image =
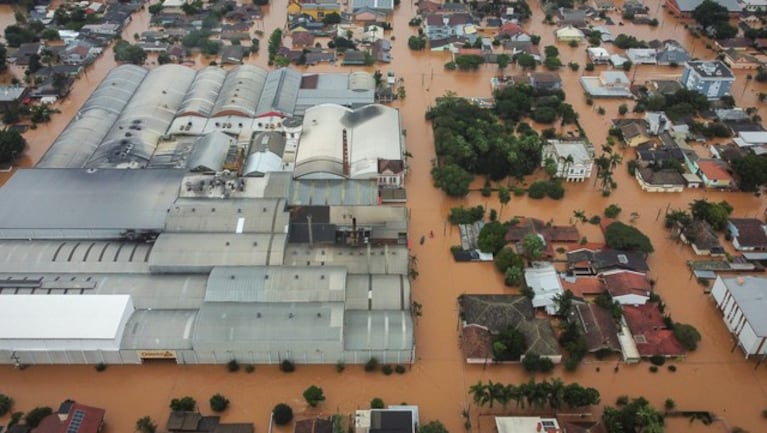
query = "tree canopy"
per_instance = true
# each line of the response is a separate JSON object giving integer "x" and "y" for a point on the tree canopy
{"x": 624, "y": 237}
{"x": 432, "y": 427}
{"x": 492, "y": 237}
{"x": 716, "y": 214}
{"x": 751, "y": 171}
{"x": 314, "y": 395}
{"x": 554, "y": 393}
{"x": 687, "y": 335}
{"x": 475, "y": 140}
{"x": 709, "y": 13}
{"x": 282, "y": 413}
{"x": 184, "y": 404}
{"x": 12, "y": 143}
{"x": 635, "y": 416}
{"x": 534, "y": 246}
{"x": 509, "y": 345}
{"x": 125, "y": 52}
{"x": 452, "y": 179}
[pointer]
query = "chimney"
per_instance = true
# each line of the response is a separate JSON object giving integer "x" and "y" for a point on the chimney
{"x": 345, "y": 166}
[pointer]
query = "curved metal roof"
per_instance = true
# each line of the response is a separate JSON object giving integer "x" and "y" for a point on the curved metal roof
{"x": 209, "y": 152}
{"x": 88, "y": 128}
{"x": 202, "y": 94}
{"x": 280, "y": 92}
{"x": 240, "y": 92}
{"x": 134, "y": 136}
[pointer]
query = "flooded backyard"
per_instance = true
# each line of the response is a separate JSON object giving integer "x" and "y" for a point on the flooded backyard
{"x": 715, "y": 378}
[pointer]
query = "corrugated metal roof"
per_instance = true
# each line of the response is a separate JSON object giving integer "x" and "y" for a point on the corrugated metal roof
{"x": 201, "y": 252}
{"x": 280, "y": 92}
{"x": 378, "y": 330}
{"x": 40, "y": 199}
{"x": 268, "y": 326}
{"x": 329, "y": 192}
{"x": 234, "y": 215}
{"x": 159, "y": 329}
{"x": 375, "y": 260}
{"x": 241, "y": 91}
{"x": 276, "y": 284}
{"x": 203, "y": 92}
{"x": 209, "y": 152}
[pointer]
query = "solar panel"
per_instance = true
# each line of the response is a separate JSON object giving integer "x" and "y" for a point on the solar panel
{"x": 77, "y": 420}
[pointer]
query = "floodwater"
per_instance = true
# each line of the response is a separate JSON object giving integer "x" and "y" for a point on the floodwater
{"x": 715, "y": 378}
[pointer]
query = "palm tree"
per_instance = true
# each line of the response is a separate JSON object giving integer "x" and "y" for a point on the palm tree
{"x": 514, "y": 393}
{"x": 495, "y": 389}
{"x": 556, "y": 393}
{"x": 567, "y": 161}
{"x": 649, "y": 419}
{"x": 479, "y": 392}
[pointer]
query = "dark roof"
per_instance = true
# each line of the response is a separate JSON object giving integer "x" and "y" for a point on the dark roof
{"x": 661, "y": 177}
{"x": 750, "y": 233}
{"x": 476, "y": 342}
{"x": 597, "y": 326}
{"x": 391, "y": 421}
{"x": 546, "y": 77}
{"x": 550, "y": 233}
{"x": 313, "y": 425}
{"x": 395, "y": 166}
{"x": 607, "y": 259}
{"x": 232, "y": 54}
{"x": 626, "y": 283}
{"x": 577, "y": 424}
{"x": 700, "y": 234}
{"x": 181, "y": 421}
{"x": 234, "y": 428}
{"x": 18, "y": 428}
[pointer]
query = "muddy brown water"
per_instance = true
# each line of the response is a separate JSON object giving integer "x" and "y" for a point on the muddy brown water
{"x": 714, "y": 378}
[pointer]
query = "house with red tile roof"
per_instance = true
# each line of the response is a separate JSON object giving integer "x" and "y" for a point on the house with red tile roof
{"x": 714, "y": 175}
{"x": 652, "y": 337}
{"x": 583, "y": 285}
{"x": 627, "y": 287}
{"x": 73, "y": 417}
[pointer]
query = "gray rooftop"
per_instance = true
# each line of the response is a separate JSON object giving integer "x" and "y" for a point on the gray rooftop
{"x": 159, "y": 329}
{"x": 333, "y": 192}
{"x": 750, "y": 293}
{"x": 234, "y": 215}
{"x": 378, "y": 330}
{"x": 373, "y": 260}
{"x": 276, "y": 284}
{"x": 50, "y": 203}
{"x": 11, "y": 93}
{"x": 690, "y": 5}
{"x": 710, "y": 68}
{"x": 377, "y": 292}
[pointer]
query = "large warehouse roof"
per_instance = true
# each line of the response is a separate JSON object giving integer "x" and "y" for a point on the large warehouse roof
{"x": 240, "y": 92}
{"x": 268, "y": 326}
{"x": 378, "y": 330}
{"x": 234, "y": 215}
{"x": 88, "y": 128}
{"x": 50, "y": 203}
{"x": 53, "y": 317}
{"x": 159, "y": 329}
{"x": 372, "y": 132}
{"x": 202, "y": 94}
{"x": 276, "y": 284}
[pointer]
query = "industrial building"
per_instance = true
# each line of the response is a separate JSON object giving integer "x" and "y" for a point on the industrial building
{"x": 127, "y": 243}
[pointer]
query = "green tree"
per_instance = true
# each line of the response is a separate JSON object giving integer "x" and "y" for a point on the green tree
{"x": 709, "y": 13}
{"x": 612, "y": 211}
{"x": 12, "y": 143}
{"x": 507, "y": 258}
{"x": 509, "y": 345}
{"x": 275, "y": 42}
{"x": 416, "y": 42}
{"x": 504, "y": 196}
{"x": 452, "y": 179}
{"x": 687, "y": 335}
{"x": 534, "y": 246}
{"x": 155, "y": 8}
{"x": 751, "y": 171}
{"x": 218, "y": 403}
{"x": 146, "y": 425}
{"x": 125, "y": 52}
{"x": 624, "y": 237}
{"x": 6, "y": 403}
{"x": 492, "y": 237}
{"x": 185, "y": 404}
{"x": 377, "y": 403}
{"x": 282, "y": 413}
{"x": 564, "y": 303}
{"x": 532, "y": 362}
{"x": 313, "y": 395}
{"x": 503, "y": 61}
{"x": 716, "y": 214}
{"x": 551, "y": 51}
{"x": 331, "y": 18}
{"x": 36, "y": 415}
{"x": 526, "y": 61}
{"x": 432, "y": 427}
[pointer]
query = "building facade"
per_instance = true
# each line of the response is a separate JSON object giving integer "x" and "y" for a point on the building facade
{"x": 742, "y": 302}
{"x": 713, "y": 79}
{"x": 574, "y": 160}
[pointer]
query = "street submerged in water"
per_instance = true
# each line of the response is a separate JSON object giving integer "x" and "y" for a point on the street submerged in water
{"x": 714, "y": 378}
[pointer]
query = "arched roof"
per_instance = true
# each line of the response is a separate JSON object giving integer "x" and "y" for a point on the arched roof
{"x": 134, "y": 136}
{"x": 87, "y": 129}
{"x": 202, "y": 94}
{"x": 240, "y": 91}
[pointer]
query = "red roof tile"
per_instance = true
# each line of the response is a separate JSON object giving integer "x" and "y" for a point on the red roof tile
{"x": 626, "y": 283}
{"x": 583, "y": 286}
{"x": 476, "y": 342}
{"x": 714, "y": 171}
{"x": 650, "y": 334}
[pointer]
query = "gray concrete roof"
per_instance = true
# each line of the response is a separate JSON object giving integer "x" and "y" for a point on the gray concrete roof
{"x": 377, "y": 292}
{"x": 50, "y": 203}
{"x": 333, "y": 192}
{"x": 376, "y": 260}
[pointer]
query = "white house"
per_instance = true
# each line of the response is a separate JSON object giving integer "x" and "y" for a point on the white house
{"x": 569, "y": 33}
{"x": 524, "y": 424}
{"x": 598, "y": 55}
{"x": 642, "y": 56}
{"x": 542, "y": 278}
{"x": 574, "y": 159}
{"x": 743, "y": 301}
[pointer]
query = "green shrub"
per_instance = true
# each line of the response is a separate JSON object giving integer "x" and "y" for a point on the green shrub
{"x": 100, "y": 367}
{"x": 376, "y": 403}
{"x": 218, "y": 403}
{"x": 250, "y": 368}
{"x": 233, "y": 366}
{"x": 596, "y": 219}
{"x": 399, "y": 369}
{"x": 371, "y": 365}
{"x": 287, "y": 366}
{"x": 612, "y": 211}
{"x": 657, "y": 360}
{"x": 672, "y": 368}
{"x": 653, "y": 369}
{"x": 340, "y": 366}
{"x": 622, "y": 400}
{"x": 183, "y": 404}
{"x": 387, "y": 369}
{"x": 36, "y": 415}
{"x": 6, "y": 403}
{"x": 282, "y": 413}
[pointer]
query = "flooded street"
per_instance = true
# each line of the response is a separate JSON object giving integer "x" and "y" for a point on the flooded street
{"x": 715, "y": 378}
